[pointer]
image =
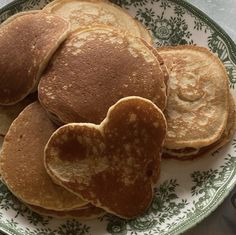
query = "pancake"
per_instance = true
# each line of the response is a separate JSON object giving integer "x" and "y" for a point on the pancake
{"x": 86, "y": 213}
{"x": 93, "y": 69}
{"x": 22, "y": 165}
{"x": 191, "y": 153}
{"x": 27, "y": 42}
{"x": 112, "y": 165}
{"x": 9, "y": 113}
{"x": 87, "y": 13}
{"x": 145, "y": 33}
{"x": 162, "y": 64}
{"x": 198, "y": 103}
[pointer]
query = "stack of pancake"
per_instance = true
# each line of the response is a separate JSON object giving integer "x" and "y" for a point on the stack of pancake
{"x": 108, "y": 105}
{"x": 201, "y": 110}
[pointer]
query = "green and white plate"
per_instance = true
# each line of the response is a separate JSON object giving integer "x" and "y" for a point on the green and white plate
{"x": 187, "y": 191}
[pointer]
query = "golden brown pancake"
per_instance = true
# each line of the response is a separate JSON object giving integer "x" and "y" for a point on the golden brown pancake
{"x": 190, "y": 153}
{"x": 93, "y": 69}
{"x": 111, "y": 165}
{"x": 22, "y": 165}
{"x": 198, "y": 103}
{"x": 27, "y": 42}
{"x": 9, "y": 113}
{"x": 87, "y": 13}
{"x": 84, "y": 213}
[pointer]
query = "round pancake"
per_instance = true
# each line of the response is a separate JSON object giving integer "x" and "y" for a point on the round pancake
{"x": 87, "y": 13}
{"x": 188, "y": 153}
{"x": 9, "y": 113}
{"x": 86, "y": 213}
{"x": 22, "y": 165}
{"x": 93, "y": 69}
{"x": 112, "y": 165}
{"x": 198, "y": 103}
{"x": 27, "y": 42}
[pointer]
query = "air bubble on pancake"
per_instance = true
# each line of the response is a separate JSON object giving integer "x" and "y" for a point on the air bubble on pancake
{"x": 132, "y": 117}
{"x": 79, "y": 139}
{"x": 102, "y": 146}
{"x": 188, "y": 117}
{"x": 88, "y": 141}
{"x": 173, "y": 114}
{"x": 171, "y": 134}
{"x": 54, "y": 151}
{"x": 113, "y": 40}
{"x": 203, "y": 121}
{"x": 127, "y": 147}
{"x": 133, "y": 52}
{"x": 156, "y": 124}
{"x": 107, "y": 18}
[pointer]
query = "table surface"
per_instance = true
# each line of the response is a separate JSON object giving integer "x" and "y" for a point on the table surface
{"x": 223, "y": 220}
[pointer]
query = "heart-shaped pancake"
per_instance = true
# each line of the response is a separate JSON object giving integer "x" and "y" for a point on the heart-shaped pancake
{"x": 112, "y": 165}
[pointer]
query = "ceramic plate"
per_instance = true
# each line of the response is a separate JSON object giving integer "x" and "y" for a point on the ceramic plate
{"x": 187, "y": 191}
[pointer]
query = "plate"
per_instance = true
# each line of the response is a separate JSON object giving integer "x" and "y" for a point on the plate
{"x": 188, "y": 191}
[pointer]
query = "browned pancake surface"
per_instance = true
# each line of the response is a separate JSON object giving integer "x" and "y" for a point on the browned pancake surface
{"x": 22, "y": 165}
{"x": 94, "y": 69}
{"x": 26, "y": 43}
{"x": 113, "y": 165}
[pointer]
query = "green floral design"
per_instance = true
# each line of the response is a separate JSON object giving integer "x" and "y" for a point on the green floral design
{"x": 9, "y": 202}
{"x": 167, "y": 30}
{"x": 217, "y": 45}
{"x": 207, "y": 183}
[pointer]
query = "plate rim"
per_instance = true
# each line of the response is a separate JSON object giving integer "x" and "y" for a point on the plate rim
{"x": 231, "y": 183}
